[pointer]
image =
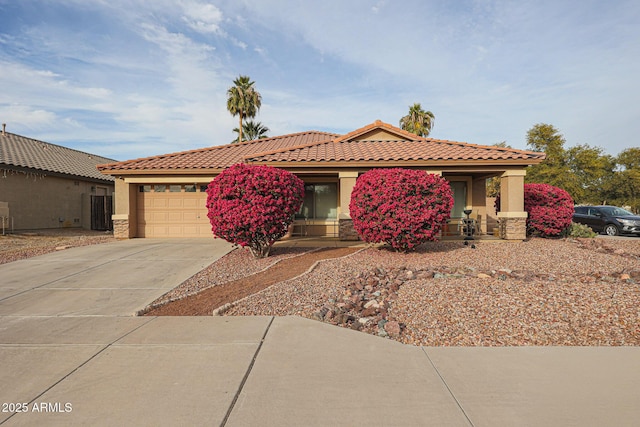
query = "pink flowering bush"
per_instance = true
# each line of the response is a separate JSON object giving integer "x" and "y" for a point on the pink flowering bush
{"x": 401, "y": 207}
{"x": 253, "y": 205}
{"x": 550, "y": 210}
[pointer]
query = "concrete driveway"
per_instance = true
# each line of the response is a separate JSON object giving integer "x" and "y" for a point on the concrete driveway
{"x": 71, "y": 353}
{"x": 114, "y": 279}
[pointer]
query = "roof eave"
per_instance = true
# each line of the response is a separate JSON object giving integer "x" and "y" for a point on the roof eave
{"x": 398, "y": 163}
{"x": 191, "y": 171}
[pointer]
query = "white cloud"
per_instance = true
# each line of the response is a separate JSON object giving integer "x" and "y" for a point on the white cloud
{"x": 202, "y": 17}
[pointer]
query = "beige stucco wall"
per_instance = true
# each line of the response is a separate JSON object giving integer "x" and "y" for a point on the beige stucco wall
{"x": 39, "y": 201}
{"x": 512, "y": 185}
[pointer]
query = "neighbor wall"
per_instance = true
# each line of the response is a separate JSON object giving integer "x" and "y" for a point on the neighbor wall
{"x": 42, "y": 202}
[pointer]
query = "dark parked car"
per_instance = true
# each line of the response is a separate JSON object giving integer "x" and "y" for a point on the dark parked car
{"x": 607, "y": 219}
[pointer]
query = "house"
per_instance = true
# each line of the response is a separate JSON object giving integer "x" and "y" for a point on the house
{"x": 45, "y": 186}
{"x": 164, "y": 196}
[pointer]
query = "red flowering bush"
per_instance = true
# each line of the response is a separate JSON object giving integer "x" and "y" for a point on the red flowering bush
{"x": 550, "y": 210}
{"x": 253, "y": 205}
{"x": 400, "y": 207}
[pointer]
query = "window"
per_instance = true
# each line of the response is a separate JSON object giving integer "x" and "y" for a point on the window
{"x": 203, "y": 188}
{"x": 175, "y": 188}
{"x": 190, "y": 188}
{"x": 320, "y": 202}
{"x": 159, "y": 188}
{"x": 145, "y": 188}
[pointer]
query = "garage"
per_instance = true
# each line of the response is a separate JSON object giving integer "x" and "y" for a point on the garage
{"x": 172, "y": 210}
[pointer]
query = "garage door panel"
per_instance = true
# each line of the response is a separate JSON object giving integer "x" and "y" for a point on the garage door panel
{"x": 158, "y": 217}
{"x": 193, "y": 203}
{"x": 159, "y": 202}
{"x": 176, "y": 202}
{"x": 190, "y": 216}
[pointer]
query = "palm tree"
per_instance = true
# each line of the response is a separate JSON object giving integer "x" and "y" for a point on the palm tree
{"x": 252, "y": 130}
{"x": 418, "y": 121}
{"x": 243, "y": 100}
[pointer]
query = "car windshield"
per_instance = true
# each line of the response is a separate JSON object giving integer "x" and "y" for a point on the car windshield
{"x": 615, "y": 211}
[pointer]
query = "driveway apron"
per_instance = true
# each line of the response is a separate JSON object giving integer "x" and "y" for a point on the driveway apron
{"x": 114, "y": 279}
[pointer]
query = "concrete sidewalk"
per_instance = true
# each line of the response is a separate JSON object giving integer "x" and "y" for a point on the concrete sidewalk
{"x": 82, "y": 359}
{"x": 288, "y": 371}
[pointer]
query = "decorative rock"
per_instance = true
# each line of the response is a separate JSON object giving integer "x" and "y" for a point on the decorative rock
{"x": 625, "y": 276}
{"x": 370, "y": 311}
{"x": 373, "y": 303}
{"x": 483, "y": 276}
{"x": 392, "y": 328}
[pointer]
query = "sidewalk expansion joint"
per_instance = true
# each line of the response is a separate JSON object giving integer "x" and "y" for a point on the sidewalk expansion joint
{"x": 453, "y": 396}
{"x": 246, "y": 375}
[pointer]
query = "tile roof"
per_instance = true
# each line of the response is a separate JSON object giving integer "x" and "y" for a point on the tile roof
{"x": 322, "y": 148}
{"x": 21, "y": 152}
{"x": 423, "y": 149}
{"x": 218, "y": 157}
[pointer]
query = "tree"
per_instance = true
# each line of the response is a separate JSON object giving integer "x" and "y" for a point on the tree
{"x": 593, "y": 170}
{"x": 553, "y": 170}
{"x": 253, "y": 205}
{"x": 243, "y": 100}
{"x": 401, "y": 207}
{"x": 625, "y": 186}
{"x": 252, "y": 130}
{"x": 418, "y": 121}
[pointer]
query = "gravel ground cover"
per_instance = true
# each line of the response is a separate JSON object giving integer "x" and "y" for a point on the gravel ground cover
{"x": 538, "y": 292}
{"x": 17, "y": 246}
{"x": 235, "y": 265}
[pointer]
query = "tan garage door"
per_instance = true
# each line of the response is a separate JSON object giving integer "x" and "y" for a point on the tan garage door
{"x": 172, "y": 211}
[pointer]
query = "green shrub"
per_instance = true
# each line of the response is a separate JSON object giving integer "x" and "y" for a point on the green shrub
{"x": 581, "y": 230}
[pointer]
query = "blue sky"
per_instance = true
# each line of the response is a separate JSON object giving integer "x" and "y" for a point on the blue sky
{"x": 135, "y": 78}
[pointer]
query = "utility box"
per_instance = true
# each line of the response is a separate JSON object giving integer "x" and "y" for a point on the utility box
{"x": 4, "y": 216}
{"x": 4, "y": 209}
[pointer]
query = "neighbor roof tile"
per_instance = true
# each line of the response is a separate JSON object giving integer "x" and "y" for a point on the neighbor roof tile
{"x": 21, "y": 152}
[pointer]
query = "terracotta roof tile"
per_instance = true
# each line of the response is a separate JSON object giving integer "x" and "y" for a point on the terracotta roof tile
{"x": 424, "y": 149}
{"x": 218, "y": 157}
{"x": 314, "y": 147}
{"x": 21, "y": 152}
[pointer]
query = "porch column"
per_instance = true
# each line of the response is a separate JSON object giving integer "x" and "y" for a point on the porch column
{"x": 345, "y": 223}
{"x": 124, "y": 217}
{"x": 513, "y": 218}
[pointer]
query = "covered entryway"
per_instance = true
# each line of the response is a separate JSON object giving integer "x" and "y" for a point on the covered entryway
{"x": 172, "y": 211}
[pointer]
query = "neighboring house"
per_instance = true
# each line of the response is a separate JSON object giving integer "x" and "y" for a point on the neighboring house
{"x": 46, "y": 186}
{"x": 165, "y": 195}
